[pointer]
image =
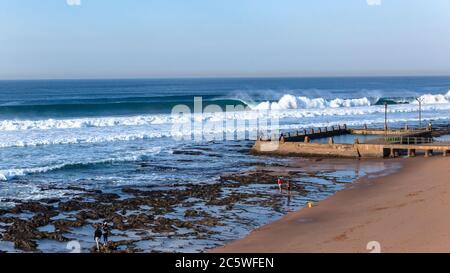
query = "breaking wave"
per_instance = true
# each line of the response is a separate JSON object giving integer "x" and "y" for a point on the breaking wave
{"x": 289, "y": 101}
{"x": 18, "y": 125}
{"x": 306, "y": 107}
{"x": 434, "y": 99}
{"x": 10, "y": 174}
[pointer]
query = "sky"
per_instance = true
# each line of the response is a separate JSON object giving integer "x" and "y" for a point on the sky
{"x": 222, "y": 38}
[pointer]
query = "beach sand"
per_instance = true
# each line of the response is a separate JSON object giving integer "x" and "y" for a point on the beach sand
{"x": 404, "y": 212}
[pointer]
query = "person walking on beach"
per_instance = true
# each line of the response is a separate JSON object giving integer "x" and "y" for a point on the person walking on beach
{"x": 105, "y": 233}
{"x": 98, "y": 236}
{"x": 280, "y": 184}
{"x": 288, "y": 186}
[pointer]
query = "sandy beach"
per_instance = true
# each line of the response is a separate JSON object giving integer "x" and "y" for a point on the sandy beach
{"x": 405, "y": 212}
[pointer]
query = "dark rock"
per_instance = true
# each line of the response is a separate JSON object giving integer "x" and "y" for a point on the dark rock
{"x": 257, "y": 177}
{"x": 117, "y": 221}
{"x": 195, "y": 213}
{"x": 208, "y": 221}
{"x": 63, "y": 225}
{"x": 139, "y": 221}
{"x": 163, "y": 225}
{"x": 187, "y": 152}
{"x": 40, "y": 219}
{"x": 107, "y": 197}
{"x": 25, "y": 245}
{"x": 22, "y": 233}
{"x": 55, "y": 236}
{"x": 50, "y": 200}
{"x": 70, "y": 206}
{"x": 74, "y": 188}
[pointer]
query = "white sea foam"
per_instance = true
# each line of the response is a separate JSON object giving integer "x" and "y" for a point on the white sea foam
{"x": 64, "y": 139}
{"x": 9, "y": 174}
{"x": 16, "y": 125}
{"x": 293, "y": 119}
{"x": 307, "y": 107}
{"x": 289, "y": 101}
{"x": 292, "y": 102}
{"x": 92, "y": 135}
{"x": 434, "y": 99}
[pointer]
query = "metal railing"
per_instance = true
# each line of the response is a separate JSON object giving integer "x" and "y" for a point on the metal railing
{"x": 409, "y": 140}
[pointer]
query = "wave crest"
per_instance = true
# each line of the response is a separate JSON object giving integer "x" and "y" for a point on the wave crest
{"x": 435, "y": 99}
{"x": 289, "y": 101}
{"x": 9, "y": 174}
{"x": 46, "y": 124}
{"x": 292, "y": 102}
{"x": 317, "y": 106}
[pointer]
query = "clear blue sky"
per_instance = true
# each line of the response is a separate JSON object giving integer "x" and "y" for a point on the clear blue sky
{"x": 178, "y": 38}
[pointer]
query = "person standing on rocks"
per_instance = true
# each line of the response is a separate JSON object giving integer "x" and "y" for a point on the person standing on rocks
{"x": 288, "y": 186}
{"x": 98, "y": 236}
{"x": 280, "y": 184}
{"x": 105, "y": 233}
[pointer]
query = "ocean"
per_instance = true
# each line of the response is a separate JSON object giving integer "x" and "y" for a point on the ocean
{"x": 59, "y": 135}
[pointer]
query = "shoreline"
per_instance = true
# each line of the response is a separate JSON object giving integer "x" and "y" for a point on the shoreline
{"x": 403, "y": 211}
{"x": 175, "y": 217}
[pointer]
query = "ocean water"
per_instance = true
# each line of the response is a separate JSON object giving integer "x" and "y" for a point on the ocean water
{"x": 95, "y": 132}
{"x": 110, "y": 134}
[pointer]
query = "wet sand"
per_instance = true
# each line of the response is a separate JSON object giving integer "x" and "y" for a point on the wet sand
{"x": 405, "y": 212}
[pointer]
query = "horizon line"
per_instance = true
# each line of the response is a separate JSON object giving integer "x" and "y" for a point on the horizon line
{"x": 226, "y": 77}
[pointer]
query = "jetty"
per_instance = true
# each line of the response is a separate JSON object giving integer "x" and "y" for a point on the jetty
{"x": 366, "y": 143}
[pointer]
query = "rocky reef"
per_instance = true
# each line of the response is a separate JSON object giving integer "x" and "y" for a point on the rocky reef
{"x": 146, "y": 211}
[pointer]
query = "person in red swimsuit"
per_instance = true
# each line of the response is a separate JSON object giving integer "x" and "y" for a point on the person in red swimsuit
{"x": 280, "y": 184}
